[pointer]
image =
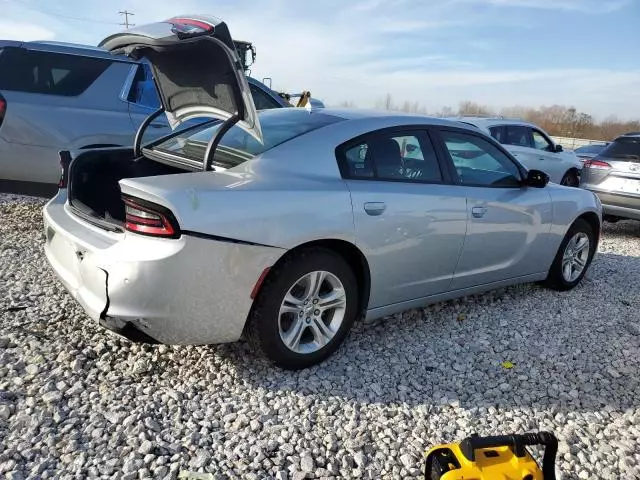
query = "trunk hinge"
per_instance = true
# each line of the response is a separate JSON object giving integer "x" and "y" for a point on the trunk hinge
{"x": 215, "y": 141}
{"x": 143, "y": 127}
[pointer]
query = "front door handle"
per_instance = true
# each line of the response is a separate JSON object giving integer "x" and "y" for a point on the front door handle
{"x": 478, "y": 212}
{"x": 375, "y": 208}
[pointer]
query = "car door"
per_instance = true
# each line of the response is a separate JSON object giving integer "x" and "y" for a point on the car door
{"x": 508, "y": 224}
{"x": 554, "y": 163}
{"x": 409, "y": 220}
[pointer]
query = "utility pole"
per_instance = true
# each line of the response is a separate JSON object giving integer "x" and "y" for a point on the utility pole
{"x": 126, "y": 19}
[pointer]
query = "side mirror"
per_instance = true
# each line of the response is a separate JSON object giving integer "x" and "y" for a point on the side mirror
{"x": 558, "y": 148}
{"x": 536, "y": 179}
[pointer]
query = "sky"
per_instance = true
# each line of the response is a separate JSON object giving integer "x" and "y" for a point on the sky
{"x": 581, "y": 53}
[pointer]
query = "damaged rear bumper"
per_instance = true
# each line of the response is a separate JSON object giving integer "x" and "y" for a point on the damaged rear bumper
{"x": 189, "y": 290}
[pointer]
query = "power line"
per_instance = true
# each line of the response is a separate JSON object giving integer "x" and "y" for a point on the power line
{"x": 126, "y": 19}
{"x": 60, "y": 15}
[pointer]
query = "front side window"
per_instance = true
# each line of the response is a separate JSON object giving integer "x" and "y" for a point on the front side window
{"x": 48, "y": 73}
{"x": 540, "y": 142}
{"x": 279, "y": 125}
{"x": 519, "y": 136}
{"x": 478, "y": 162}
{"x": 393, "y": 156}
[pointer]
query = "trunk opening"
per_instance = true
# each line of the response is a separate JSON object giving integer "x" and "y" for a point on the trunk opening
{"x": 94, "y": 191}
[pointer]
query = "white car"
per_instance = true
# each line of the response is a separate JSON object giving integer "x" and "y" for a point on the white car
{"x": 532, "y": 146}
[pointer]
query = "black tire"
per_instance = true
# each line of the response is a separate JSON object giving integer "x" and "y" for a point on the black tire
{"x": 555, "y": 280}
{"x": 262, "y": 330}
{"x": 570, "y": 179}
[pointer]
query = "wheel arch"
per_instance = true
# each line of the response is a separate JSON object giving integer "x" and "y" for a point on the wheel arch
{"x": 593, "y": 220}
{"x": 350, "y": 254}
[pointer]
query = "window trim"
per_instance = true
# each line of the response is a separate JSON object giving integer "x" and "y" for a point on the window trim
{"x": 420, "y": 131}
{"x": 487, "y": 138}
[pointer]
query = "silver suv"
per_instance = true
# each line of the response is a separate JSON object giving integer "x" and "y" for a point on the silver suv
{"x": 532, "y": 146}
{"x": 56, "y": 96}
{"x": 614, "y": 175}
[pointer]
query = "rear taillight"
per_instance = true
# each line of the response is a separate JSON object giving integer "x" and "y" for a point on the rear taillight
{"x": 3, "y": 109}
{"x": 148, "y": 218}
{"x": 597, "y": 164}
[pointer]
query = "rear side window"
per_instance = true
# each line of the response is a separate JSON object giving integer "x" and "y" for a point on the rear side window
{"x": 406, "y": 156}
{"x": 48, "y": 73}
{"x": 625, "y": 148}
{"x": 499, "y": 133}
{"x": 143, "y": 90}
{"x": 518, "y": 135}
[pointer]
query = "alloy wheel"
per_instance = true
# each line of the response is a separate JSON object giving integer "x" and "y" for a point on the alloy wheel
{"x": 312, "y": 312}
{"x": 575, "y": 257}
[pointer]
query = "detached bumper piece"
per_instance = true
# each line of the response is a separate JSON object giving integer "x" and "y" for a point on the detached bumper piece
{"x": 485, "y": 458}
{"x": 128, "y": 330}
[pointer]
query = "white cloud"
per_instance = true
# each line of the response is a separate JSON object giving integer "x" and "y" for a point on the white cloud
{"x": 359, "y": 51}
{"x": 587, "y": 6}
{"x": 24, "y": 31}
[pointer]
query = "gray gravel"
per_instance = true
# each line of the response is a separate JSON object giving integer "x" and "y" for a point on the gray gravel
{"x": 77, "y": 402}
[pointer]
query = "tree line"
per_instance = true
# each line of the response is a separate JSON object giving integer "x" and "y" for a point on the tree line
{"x": 557, "y": 120}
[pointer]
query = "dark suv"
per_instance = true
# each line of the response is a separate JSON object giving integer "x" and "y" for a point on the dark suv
{"x": 614, "y": 175}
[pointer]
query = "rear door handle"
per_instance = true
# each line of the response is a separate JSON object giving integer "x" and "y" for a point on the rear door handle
{"x": 375, "y": 208}
{"x": 478, "y": 212}
{"x": 157, "y": 125}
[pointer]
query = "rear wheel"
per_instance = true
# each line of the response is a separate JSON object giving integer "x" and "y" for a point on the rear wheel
{"x": 573, "y": 258}
{"x": 570, "y": 179}
{"x": 305, "y": 309}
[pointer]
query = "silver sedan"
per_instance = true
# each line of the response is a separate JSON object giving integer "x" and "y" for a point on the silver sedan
{"x": 290, "y": 225}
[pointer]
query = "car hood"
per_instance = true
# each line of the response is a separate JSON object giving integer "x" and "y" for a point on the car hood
{"x": 195, "y": 67}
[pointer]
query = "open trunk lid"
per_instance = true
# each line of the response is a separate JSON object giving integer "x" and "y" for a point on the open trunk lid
{"x": 196, "y": 69}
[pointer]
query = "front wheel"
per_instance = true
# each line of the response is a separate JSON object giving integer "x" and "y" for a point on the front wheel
{"x": 570, "y": 179}
{"x": 305, "y": 309}
{"x": 573, "y": 258}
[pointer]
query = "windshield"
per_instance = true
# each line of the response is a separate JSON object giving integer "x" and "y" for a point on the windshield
{"x": 237, "y": 146}
{"x": 625, "y": 148}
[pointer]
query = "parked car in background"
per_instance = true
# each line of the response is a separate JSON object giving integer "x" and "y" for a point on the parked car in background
{"x": 56, "y": 96}
{"x": 614, "y": 175}
{"x": 532, "y": 146}
{"x": 287, "y": 225}
{"x": 589, "y": 151}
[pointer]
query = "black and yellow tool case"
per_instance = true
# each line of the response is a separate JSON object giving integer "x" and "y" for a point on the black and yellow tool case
{"x": 502, "y": 457}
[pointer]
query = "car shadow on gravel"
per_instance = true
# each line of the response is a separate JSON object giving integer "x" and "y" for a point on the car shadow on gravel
{"x": 572, "y": 350}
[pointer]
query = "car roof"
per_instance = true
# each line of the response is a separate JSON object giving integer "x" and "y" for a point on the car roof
{"x": 401, "y": 117}
{"x": 66, "y": 48}
{"x": 630, "y": 134}
{"x": 491, "y": 121}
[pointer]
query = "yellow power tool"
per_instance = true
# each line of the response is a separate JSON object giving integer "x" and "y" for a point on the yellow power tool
{"x": 502, "y": 457}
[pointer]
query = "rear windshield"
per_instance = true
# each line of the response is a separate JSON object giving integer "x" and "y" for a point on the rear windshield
{"x": 625, "y": 148}
{"x": 237, "y": 146}
{"x": 590, "y": 149}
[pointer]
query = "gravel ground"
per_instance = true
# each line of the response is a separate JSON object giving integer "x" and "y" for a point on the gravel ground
{"x": 76, "y": 402}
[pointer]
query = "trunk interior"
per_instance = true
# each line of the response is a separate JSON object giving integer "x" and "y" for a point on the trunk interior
{"x": 93, "y": 179}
